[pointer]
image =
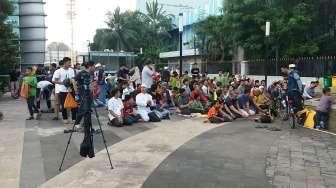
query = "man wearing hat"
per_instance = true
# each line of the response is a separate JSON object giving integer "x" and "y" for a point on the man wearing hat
{"x": 294, "y": 86}
{"x": 144, "y": 101}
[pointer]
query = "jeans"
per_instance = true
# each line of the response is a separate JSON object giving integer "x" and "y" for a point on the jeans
{"x": 102, "y": 93}
{"x": 14, "y": 88}
{"x": 322, "y": 119}
{"x": 44, "y": 94}
{"x": 62, "y": 96}
{"x": 129, "y": 120}
{"x": 31, "y": 105}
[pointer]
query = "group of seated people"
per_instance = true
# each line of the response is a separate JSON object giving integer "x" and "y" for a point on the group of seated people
{"x": 242, "y": 98}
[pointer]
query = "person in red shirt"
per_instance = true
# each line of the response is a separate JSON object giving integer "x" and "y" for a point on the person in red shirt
{"x": 129, "y": 114}
{"x": 197, "y": 95}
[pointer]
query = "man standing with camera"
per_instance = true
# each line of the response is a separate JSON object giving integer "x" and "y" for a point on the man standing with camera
{"x": 64, "y": 79}
{"x": 84, "y": 88}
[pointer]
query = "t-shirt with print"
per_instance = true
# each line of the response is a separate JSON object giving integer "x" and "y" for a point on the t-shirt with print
{"x": 62, "y": 74}
{"x": 115, "y": 105}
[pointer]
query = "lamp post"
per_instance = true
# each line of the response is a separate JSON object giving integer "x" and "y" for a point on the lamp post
{"x": 267, "y": 34}
{"x": 89, "y": 49}
{"x": 180, "y": 34}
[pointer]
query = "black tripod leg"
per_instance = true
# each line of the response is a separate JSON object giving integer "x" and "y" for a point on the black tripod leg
{"x": 102, "y": 133}
{"x": 66, "y": 148}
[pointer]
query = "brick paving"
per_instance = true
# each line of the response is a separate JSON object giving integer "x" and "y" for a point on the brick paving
{"x": 302, "y": 158}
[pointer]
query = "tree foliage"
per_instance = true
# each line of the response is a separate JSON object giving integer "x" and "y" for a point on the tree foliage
{"x": 58, "y": 46}
{"x": 243, "y": 24}
{"x": 9, "y": 47}
{"x": 132, "y": 30}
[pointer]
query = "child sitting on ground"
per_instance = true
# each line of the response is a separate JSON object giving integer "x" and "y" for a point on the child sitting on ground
{"x": 216, "y": 115}
{"x": 322, "y": 109}
{"x": 129, "y": 114}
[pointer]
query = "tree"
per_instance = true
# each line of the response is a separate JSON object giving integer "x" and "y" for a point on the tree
{"x": 243, "y": 24}
{"x": 120, "y": 32}
{"x": 58, "y": 46}
{"x": 130, "y": 31}
{"x": 9, "y": 46}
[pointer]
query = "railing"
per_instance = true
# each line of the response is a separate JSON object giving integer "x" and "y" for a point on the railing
{"x": 307, "y": 66}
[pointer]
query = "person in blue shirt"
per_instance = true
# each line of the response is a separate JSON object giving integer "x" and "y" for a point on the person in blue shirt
{"x": 294, "y": 86}
{"x": 244, "y": 102}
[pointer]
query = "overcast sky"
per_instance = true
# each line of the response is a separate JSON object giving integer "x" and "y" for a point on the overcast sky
{"x": 91, "y": 14}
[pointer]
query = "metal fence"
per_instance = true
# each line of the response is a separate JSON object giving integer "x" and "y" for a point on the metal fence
{"x": 308, "y": 66}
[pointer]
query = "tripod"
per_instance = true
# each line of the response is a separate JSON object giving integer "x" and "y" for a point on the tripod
{"x": 91, "y": 135}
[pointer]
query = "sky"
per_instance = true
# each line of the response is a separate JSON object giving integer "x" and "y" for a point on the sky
{"x": 91, "y": 14}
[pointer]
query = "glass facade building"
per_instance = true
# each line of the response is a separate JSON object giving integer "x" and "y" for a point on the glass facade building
{"x": 193, "y": 12}
{"x": 14, "y": 19}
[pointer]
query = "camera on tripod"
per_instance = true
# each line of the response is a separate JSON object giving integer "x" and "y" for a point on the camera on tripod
{"x": 84, "y": 81}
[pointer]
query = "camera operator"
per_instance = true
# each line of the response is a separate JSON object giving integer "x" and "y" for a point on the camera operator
{"x": 64, "y": 79}
{"x": 84, "y": 88}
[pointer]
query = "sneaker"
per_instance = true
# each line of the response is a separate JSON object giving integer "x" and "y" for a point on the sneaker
{"x": 38, "y": 116}
{"x": 30, "y": 118}
{"x": 79, "y": 128}
{"x": 65, "y": 121}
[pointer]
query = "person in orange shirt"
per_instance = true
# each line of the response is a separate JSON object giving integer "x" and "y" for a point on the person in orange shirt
{"x": 215, "y": 114}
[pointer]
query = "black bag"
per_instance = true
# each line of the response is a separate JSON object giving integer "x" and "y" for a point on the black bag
{"x": 265, "y": 119}
{"x": 67, "y": 82}
{"x": 153, "y": 117}
{"x": 86, "y": 147}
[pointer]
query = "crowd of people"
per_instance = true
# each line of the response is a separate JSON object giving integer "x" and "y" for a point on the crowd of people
{"x": 140, "y": 96}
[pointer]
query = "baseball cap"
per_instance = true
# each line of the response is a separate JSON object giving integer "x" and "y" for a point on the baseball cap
{"x": 98, "y": 65}
{"x": 291, "y": 66}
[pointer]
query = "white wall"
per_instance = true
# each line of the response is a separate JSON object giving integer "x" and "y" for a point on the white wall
{"x": 270, "y": 79}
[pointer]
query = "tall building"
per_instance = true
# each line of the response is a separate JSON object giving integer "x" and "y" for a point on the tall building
{"x": 14, "y": 19}
{"x": 32, "y": 32}
{"x": 193, "y": 12}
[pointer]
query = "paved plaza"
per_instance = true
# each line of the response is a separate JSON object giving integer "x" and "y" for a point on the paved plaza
{"x": 179, "y": 153}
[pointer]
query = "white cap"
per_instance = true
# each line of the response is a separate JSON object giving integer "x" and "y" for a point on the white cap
{"x": 98, "y": 65}
{"x": 143, "y": 85}
{"x": 291, "y": 66}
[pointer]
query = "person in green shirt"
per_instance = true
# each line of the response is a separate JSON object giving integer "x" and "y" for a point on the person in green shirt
{"x": 174, "y": 80}
{"x": 223, "y": 78}
{"x": 31, "y": 80}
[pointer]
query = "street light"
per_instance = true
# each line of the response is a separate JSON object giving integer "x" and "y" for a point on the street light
{"x": 180, "y": 33}
{"x": 89, "y": 49}
{"x": 267, "y": 34}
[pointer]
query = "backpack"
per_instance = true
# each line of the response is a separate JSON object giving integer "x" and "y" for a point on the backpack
{"x": 153, "y": 117}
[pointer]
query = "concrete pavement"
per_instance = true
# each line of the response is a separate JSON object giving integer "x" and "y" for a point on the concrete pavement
{"x": 11, "y": 142}
{"x": 177, "y": 153}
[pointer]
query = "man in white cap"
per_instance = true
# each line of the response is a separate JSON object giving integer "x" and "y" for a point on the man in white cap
{"x": 294, "y": 86}
{"x": 144, "y": 101}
